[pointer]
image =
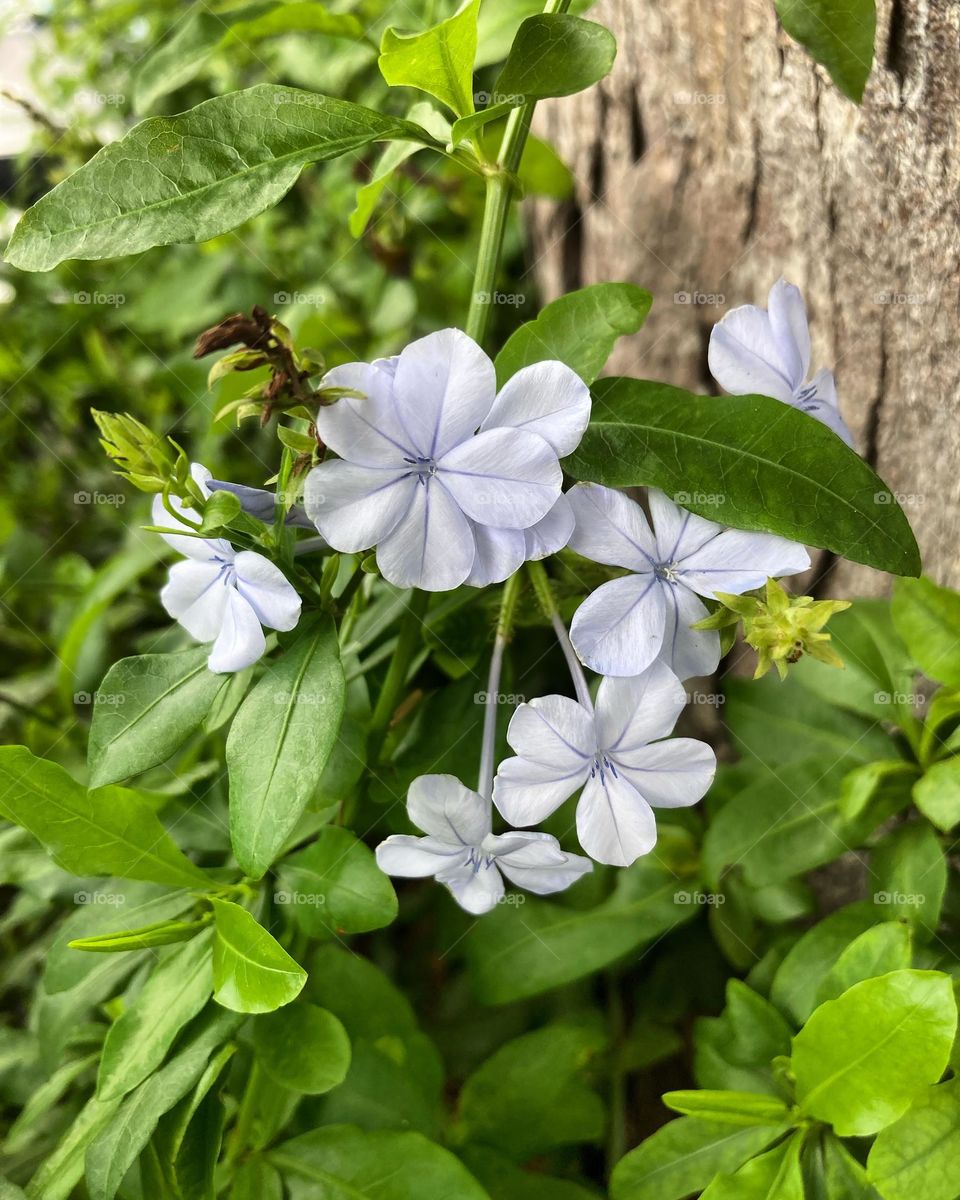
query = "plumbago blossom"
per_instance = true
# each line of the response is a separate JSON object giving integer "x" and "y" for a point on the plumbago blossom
{"x": 222, "y": 595}
{"x": 628, "y": 622}
{"x": 614, "y": 753}
{"x": 768, "y": 351}
{"x": 452, "y": 481}
{"x": 461, "y": 851}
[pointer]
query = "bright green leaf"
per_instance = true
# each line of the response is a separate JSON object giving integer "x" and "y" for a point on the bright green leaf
{"x": 838, "y": 33}
{"x": 862, "y": 1059}
{"x": 910, "y": 875}
{"x": 734, "y": 1050}
{"x": 775, "y": 1175}
{"x": 918, "y": 1157}
{"x": 937, "y": 793}
{"x": 729, "y": 1108}
{"x": 756, "y": 463}
{"x": 303, "y": 1048}
{"x": 193, "y": 176}
{"x": 335, "y": 885}
{"x": 927, "y": 617}
{"x": 108, "y": 831}
{"x": 252, "y": 973}
{"x": 438, "y": 61}
{"x": 279, "y": 744}
{"x": 884, "y": 948}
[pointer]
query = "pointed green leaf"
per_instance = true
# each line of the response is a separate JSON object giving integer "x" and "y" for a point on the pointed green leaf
{"x": 193, "y": 176}
{"x": 747, "y": 461}
{"x": 927, "y": 617}
{"x": 335, "y": 886}
{"x": 731, "y": 1108}
{"x": 108, "y": 831}
{"x": 878, "y": 951}
{"x": 838, "y": 33}
{"x": 252, "y": 973}
{"x": 919, "y": 1155}
{"x": 438, "y": 61}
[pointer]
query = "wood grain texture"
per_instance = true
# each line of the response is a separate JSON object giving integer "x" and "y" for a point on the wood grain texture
{"x": 717, "y": 156}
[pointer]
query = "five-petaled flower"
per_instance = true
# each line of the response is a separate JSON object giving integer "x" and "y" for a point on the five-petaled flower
{"x": 444, "y": 475}
{"x": 628, "y": 622}
{"x": 462, "y": 853}
{"x": 768, "y": 351}
{"x": 222, "y": 595}
{"x": 613, "y": 754}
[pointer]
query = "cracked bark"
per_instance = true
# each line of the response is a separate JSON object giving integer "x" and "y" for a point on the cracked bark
{"x": 716, "y": 156}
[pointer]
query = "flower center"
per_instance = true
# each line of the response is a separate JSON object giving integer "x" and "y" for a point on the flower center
{"x": 478, "y": 860}
{"x": 228, "y": 572}
{"x": 666, "y": 572}
{"x": 805, "y": 395}
{"x": 425, "y": 468}
{"x": 603, "y": 764}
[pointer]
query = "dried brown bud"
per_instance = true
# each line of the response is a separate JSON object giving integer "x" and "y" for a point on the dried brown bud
{"x": 252, "y": 331}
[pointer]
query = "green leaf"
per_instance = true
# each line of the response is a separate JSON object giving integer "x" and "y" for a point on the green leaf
{"x": 684, "y": 1156}
{"x": 138, "y": 1041}
{"x": 782, "y": 825}
{"x": 927, "y": 617}
{"x": 862, "y": 1059}
{"x": 147, "y": 708}
{"x": 530, "y": 1097}
{"x": 521, "y": 951}
{"x": 910, "y": 874}
{"x": 735, "y": 1049}
{"x": 360, "y": 994}
{"x": 798, "y": 978}
{"x": 252, "y": 973}
{"x": 884, "y": 948}
{"x": 883, "y": 786}
{"x": 553, "y": 54}
{"x": 279, "y": 744}
{"x": 838, "y": 33}
{"x": 730, "y": 1108}
{"x": 775, "y": 1175}
{"x": 506, "y": 1181}
{"x": 202, "y": 33}
{"x": 160, "y": 933}
{"x": 919, "y": 1155}
{"x": 747, "y": 461}
{"x": 837, "y": 1174}
{"x": 499, "y": 22}
{"x": 193, "y": 176}
{"x": 941, "y": 722}
{"x": 580, "y": 329}
{"x": 303, "y": 1048}
{"x": 345, "y": 1162}
{"x": 256, "y": 1179}
{"x": 109, "y": 831}
{"x": 187, "y": 1138}
{"x": 438, "y": 61}
{"x": 937, "y": 793}
{"x": 63, "y": 1169}
{"x": 335, "y": 885}
{"x": 116, "y": 1148}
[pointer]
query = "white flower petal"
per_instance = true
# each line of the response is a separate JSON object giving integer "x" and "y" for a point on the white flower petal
{"x": 547, "y": 398}
{"x": 365, "y": 431}
{"x": 441, "y": 806}
{"x": 357, "y": 507}
{"x": 267, "y": 590}
{"x": 744, "y": 357}
{"x": 553, "y": 730}
{"x": 444, "y": 386}
{"x": 611, "y": 528}
{"x": 671, "y": 774}
{"x": 739, "y": 560}
{"x": 500, "y": 552}
{"x": 538, "y": 864}
{"x": 416, "y": 857}
{"x": 552, "y": 532}
{"x": 618, "y": 629}
{"x": 686, "y": 651}
{"x": 504, "y": 477}
{"x": 615, "y": 824}
{"x": 201, "y": 549}
{"x": 432, "y": 547}
{"x": 678, "y": 532}
{"x": 526, "y": 792}
{"x": 240, "y": 642}
{"x": 196, "y": 595}
{"x": 478, "y": 889}
{"x": 788, "y": 321}
{"x": 635, "y": 710}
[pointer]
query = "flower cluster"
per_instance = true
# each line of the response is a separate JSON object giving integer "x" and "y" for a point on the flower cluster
{"x": 453, "y": 482}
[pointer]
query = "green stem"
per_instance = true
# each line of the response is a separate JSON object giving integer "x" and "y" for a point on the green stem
{"x": 544, "y": 592}
{"x": 396, "y": 678}
{"x": 500, "y": 185}
{"x": 508, "y": 602}
{"x": 240, "y": 1135}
